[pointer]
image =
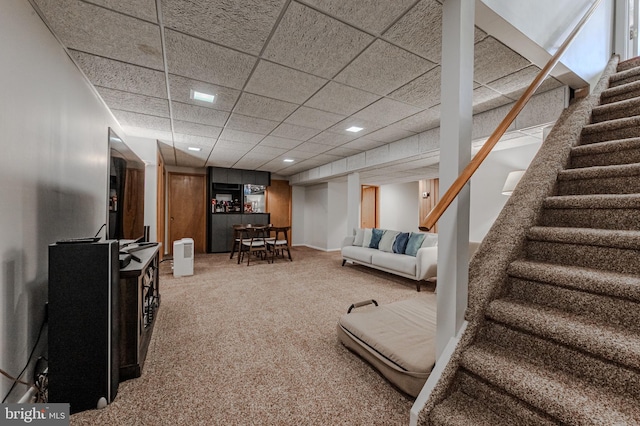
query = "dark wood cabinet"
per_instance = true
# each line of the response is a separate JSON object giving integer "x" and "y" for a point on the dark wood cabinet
{"x": 139, "y": 303}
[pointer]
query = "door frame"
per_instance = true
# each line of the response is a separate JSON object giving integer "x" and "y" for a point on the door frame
{"x": 376, "y": 202}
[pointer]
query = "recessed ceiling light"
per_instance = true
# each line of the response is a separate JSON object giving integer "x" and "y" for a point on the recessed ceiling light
{"x": 354, "y": 129}
{"x": 288, "y": 160}
{"x": 193, "y": 148}
{"x": 204, "y": 97}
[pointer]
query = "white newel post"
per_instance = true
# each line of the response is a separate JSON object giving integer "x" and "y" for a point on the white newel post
{"x": 353, "y": 202}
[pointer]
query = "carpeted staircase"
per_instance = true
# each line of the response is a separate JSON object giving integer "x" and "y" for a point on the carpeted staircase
{"x": 559, "y": 342}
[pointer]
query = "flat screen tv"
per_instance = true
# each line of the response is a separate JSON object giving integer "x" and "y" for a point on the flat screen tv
{"x": 125, "y": 197}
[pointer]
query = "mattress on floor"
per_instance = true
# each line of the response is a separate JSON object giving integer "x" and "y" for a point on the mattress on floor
{"x": 398, "y": 339}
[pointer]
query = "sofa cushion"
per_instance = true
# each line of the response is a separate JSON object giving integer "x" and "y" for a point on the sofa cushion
{"x": 386, "y": 242}
{"x": 360, "y": 254}
{"x": 366, "y": 239}
{"x": 430, "y": 240}
{"x": 395, "y": 262}
{"x": 376, "y": 236}
{"x": 400, "y": 244}
{"x": 359, "y": 237}
{"x": 414, "y": 243}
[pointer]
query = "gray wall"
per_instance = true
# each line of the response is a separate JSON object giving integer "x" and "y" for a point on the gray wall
{"x": 53, "y": 172}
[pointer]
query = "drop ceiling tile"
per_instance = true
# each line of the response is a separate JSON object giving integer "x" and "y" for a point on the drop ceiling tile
{"x": 196, "y": 129}
{"x": 192, "y": 140}
{"x": 389, "y": 134}
{"x": 382, "y": 68}
{"x": 420, "y": 30}
{"x": 340, "y": 99}
{"x": 126, "y": 101}
{"x": 332, "y": 139}
{"x": 261, "y": 107}
{"x": 223, "y": 155}
{"x": 92, "y": 29}
{"x": 240, "y": 136}
{"x": 186, "y": 160}
{"x": 343, "y": 152}
{"x": 203, "y": 154}
{"x": 494, "y": 60}
{"x": 118, "y": 75}
{"x": 300, "y": 155}
{"x": 485, "y": 99}
{"x": 278, "y": 82}
{"x": 291, "y": 131}
{"x": 362, "y": 144}
{"x": 514, "y": 85}
{"x": 144, "y": 132}
{"x": 198, "y": 114}
{"x": 201, "y": 60}
{"x": 316, "y": 148}
{"x": 323, "y": 48}
{"x": 225, "y": 97}
{"x": 261, "y": 149}
{"x": 234, "y": 145}
{"x": 132, "y": 119}
{"x": 322, "y": 159}
{"x": 143, "y": 9}
{"x": 370, "y": 15}
{"x": 386, "y": 111}
{"x": 367, "y": 127}
{"x": 423, "y": 92}
{"x": 251, "y": 124}
{"x": 276, "y": 142}
{"x": 425, "y": 120}
{"x": 243, "y": 25}
{"x": 218, "y": 162}
{"x": 314, "y": 118}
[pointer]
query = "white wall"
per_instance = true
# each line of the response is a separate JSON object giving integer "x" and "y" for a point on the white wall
{"x": 53, "y": 173}
{"x": 298, "y": 203}
{"x": 549, "y": 22}
{"x": 400, "y": 206}
{"x": 147, "y": 150}
{"x": 486, "y": 186}
{"x": 337, "y": 218}
{"x": 316, "y": 213}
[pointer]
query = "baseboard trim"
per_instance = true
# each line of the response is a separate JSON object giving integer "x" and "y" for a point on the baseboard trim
{"x": 315, "y": 248}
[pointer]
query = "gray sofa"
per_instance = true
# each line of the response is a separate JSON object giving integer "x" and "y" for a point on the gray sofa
{"x": 420, "y": 267}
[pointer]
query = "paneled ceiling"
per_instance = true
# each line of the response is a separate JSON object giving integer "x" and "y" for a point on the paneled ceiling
{"x": 289, "y": 77}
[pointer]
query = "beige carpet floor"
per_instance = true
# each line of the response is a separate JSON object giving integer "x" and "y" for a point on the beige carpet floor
{"x": 238, "y": 345}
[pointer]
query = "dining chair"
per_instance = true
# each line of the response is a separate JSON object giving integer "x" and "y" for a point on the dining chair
{"x": 239, "y": 235}
{"x": 280, "y": 242}
{"x": 255, "y": 244}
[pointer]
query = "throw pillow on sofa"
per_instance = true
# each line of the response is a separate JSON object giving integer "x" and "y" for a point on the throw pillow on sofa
{"x": 430, "y": 240}
{"x": 414, "y": 243}
{"x": 400, "y": 244}
{"x": 376, "y": 236}
{"x": 359, "y": 238}
{"x": 366, "y": 240}
{"x": 386, "y": 242}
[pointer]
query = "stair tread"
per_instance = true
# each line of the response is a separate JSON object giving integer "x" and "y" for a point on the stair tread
{"x": 585, "y": 279}
{"x": 619, "y": 90}
{"x": 613, "y": 106}
{"x": 613, "y": 238}
{"x": 567, "y": 398}
{"x": 617, "y": 123}
{"x": 597, "y": 172}
{"x": 621, "y": 75}
{"x": 459, "y": 409}
{"x": 608, "y": 341}
{"x": 593, "y": 201}
{"x": 606, "y": 147}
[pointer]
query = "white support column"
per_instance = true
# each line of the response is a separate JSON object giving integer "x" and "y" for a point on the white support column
{"x": 455, "y": 153}
{"x": 353, "y": 202}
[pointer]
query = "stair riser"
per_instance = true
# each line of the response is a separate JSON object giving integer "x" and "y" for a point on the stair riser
{"x": 611, "y": 185}
{"x": 604, "y": 258}
{"x": 605, "y": 159}
{"x": 603, "y": 308}
{"x": 621, "y": 219}
{"x": 628, "y": 64}
{"x": 600, "y": 116}
{"x": 609, "y": 135}
{"x": 629, "y": 79}
{"x": 544, "y": 352}
{"x": 611, "y": 98}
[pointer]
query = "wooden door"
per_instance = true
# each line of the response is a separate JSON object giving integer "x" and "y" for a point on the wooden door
{"x": 187, "y": 209}
{"x": 369, "y": 214}
{"x": 278, "y": 203}
{"x": 161, "y": 206}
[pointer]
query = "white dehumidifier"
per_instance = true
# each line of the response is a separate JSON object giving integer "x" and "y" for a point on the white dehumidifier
{"x": 183, "y": 257}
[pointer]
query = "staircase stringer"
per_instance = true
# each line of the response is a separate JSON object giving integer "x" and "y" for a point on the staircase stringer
{"x": 504, "y": 243}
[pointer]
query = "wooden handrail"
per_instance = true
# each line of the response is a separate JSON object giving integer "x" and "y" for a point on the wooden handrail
{"x": 453, "y": 191}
